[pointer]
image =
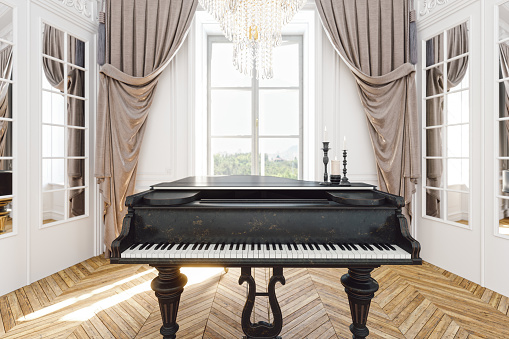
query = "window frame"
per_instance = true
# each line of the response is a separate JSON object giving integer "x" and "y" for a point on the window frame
{"x": 255, "y": 107}
{"x": 444, "y": 127}
{"x": 86, "y": 128}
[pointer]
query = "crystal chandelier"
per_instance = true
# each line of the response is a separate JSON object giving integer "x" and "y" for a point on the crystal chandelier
{"x": 254, "y": 27}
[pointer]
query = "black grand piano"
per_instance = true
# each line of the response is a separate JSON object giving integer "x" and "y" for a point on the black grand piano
{"x": 253, "y": 221}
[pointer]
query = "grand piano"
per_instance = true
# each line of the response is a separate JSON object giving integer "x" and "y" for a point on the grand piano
{"x": 254, "y": 221}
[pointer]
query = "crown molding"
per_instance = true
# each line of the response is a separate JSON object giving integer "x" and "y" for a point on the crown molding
{"x": 84, "y": 13}
{"x": 431, "y": 11}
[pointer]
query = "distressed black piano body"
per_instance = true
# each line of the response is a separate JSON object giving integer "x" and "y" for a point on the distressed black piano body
{"x": 252, "y": 221}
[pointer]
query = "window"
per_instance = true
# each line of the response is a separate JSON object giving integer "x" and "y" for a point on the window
{"x": 446, "y": 126}
{"x": 502, "y": 121}
{"x": 255, "y": 126}
{"x": 6, "y": 119}
{"x": 64, "y": 125}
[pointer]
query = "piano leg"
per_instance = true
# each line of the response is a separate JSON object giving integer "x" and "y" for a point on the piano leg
{"x": 168, "y": 286}
{"x": 360, "y": 288}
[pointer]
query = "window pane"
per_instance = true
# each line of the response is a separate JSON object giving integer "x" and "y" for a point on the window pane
{"x": 76, "y": 172}
{"x": 434, "y": 142}
{"x": 434, "y": 111}
{"x": 434, "y": 172}
{"x": 6, "y": 100}
{"x": 434, "y": 81}
{"x": 231, "y": 156}
{"x": 286, "y": 64}
{"x": 434, "y": 201}
{"x": 503, "y": 99}
{"x": 279, "y": 112}
{"x": 53, "y": 206}
{"x": 6, "y": 32}
{"x": 76, "y": 51}
{"x": 435, "y": 50}
{"x": 458, "y": 107}
{"x": 76, "y": 112}
{"x": 5, "y": 214}
{"x": 52, "y": 174}
{"x": 230, "y": 112}
{"x": 504, "y": 138}
{"x": 458, "y": 141}
{"x": 76, "y": 203}
{"x": 5, "y": 138}
{"x": 53, "y": 42}
{"x": 52, "y": 141}
{"x": 52, "y": 75}
{"x": 458, "y": 174}
{"x": 457, "y": 207}
{"x": 76, "y": 82}
{"x": 503, "y": 178}
{"x": 503, "y": 23}
{"x": 53, "y": 108}
{"x": 222, "y": 71}
{"x": 5, "y": 179}
{"x": 75, "y": 142}
{"x": 458, "y": 74}
{"x": 503, "y": 216}
{"x": 279, "y": 157}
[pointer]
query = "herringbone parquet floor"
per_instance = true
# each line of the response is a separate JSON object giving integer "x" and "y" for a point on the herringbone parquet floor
{"x": 97, "y": 300}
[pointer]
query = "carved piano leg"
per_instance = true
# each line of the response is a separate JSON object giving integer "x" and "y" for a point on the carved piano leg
{"x": 168, "y": 286}
{"x": 360, "y": 288}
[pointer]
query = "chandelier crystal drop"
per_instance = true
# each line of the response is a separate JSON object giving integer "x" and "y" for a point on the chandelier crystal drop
{"x": 254, "y": 27}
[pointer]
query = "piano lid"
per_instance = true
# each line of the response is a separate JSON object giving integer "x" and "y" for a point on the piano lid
{"x": 252, "y": 182}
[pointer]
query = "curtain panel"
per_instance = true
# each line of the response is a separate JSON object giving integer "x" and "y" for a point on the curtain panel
{"x": 372, "y": 38}
{"x": 142, "y": 36}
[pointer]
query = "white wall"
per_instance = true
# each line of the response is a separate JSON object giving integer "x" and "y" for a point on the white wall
{"x": 168, "y": 149}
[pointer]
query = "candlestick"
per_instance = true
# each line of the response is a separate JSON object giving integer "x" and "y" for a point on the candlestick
{"x": 325, "y": 162}
{"x": 344, "y": 180}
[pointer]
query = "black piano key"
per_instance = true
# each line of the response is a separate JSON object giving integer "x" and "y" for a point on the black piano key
{"x": 380, "y": 248}
{"x": 133, "y": 246}
{"x": 171, "y": 246}
{"x": 295, "y": 246}
{"x": 280, "y": 247}
{"x": 384, "y": 247}
{"x": 222, "y": 246}
{"x": 268, "y": 247}
{"x": 231, "y": 247}
{"x": 201, "y": 246}
{"x": 259, "y": 247}
{"x": 304, "y": 246}
{"x": 252, "y": 247}
{"x": 363, "y": 247}
{"x": 143, "y": 246}
{"x": 149, "y": 247}
{"x": 348, "y": 247}
{"x": 195, "y": 246}
{"x": 207, "y": 245}
{"x": 289, "y": 247}
{"x": 326, "y": 247}
{"x": 215, "y": 247}
{"x": 179, "y": 247}
{"x": 332, "y": 246}
{"x": 369, "y": 247}
{"x": 311, "y": 247}
{"x": 158, "y": 247}
{"x": 391, "y": 247}
{"x": 274, "y": 247}
{"x": 238, "y": 247}
{"x": 353, "y": 246}
{"x": 243, "y": 247}
{"x": 186, "y": 245}
{"x": 341, "y": 246}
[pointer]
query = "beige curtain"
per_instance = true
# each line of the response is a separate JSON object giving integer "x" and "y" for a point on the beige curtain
{"x": 371, "y": 37}
{"x": 457, "y": 44}
{"x": 141, "y": 39}
{"x": 53, "y": 45}
{"x": 5, "y": 73}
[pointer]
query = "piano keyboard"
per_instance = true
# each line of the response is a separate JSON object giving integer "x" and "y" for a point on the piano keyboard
{"x": 266, "y": 251}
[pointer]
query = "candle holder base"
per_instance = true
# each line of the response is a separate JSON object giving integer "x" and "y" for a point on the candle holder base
{"x": 326, "y": 183}
{"x": 335, "y": 180}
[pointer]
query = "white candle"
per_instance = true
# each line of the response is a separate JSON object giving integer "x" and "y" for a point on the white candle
{"x": 325, "y": 134}
{"x": 335, "y": 166}
{"x": 344, "y": 143}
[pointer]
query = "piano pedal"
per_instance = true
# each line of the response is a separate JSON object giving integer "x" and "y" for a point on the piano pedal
{"x": 226, "y": 269}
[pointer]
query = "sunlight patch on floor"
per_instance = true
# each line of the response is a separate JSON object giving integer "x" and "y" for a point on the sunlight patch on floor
{"x": 196, "y": 275}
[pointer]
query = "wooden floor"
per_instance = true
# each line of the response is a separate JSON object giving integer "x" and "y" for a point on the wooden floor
{"x": 97, "y": 300}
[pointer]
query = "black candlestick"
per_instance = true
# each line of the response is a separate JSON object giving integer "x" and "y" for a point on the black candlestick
{"x": 344, "y": 180}
{"x": 325, "y": 162}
